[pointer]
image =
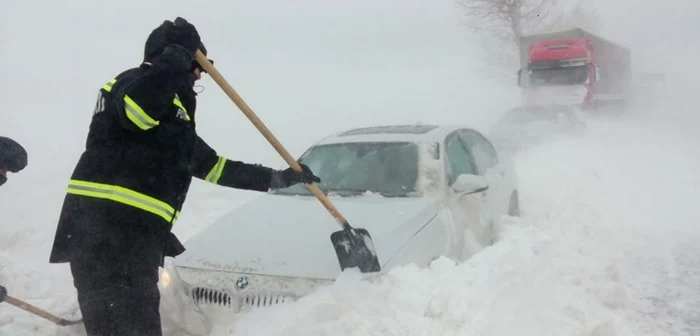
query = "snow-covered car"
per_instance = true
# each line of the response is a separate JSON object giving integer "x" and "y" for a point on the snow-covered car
{"x": 523, "y": 127}
{"x": 422, "y": 191}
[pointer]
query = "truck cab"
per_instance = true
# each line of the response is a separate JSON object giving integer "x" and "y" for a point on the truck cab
{"x": 559, "y": 72}
{"x": 572, "y": 68}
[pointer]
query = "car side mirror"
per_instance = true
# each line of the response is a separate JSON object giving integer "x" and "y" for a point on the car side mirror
{"x": 470, "y": 184}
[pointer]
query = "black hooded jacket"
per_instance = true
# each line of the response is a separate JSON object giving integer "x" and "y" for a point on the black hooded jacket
{"x": 141, "y": 153}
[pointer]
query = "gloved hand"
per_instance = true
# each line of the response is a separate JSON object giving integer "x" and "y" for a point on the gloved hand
{"x": 176, "y": 57}
{"x": 289, "y": 177}
{"x": 182, "y": 41}
{"x": 184, "y": 34}
{"x": 3, "y": 293}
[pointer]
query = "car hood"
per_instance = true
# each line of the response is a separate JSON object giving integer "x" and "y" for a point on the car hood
{"x": 290, "y": 235}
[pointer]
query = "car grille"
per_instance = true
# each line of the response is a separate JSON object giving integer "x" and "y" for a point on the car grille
{"x": 202, "y": 295}
{"x": 262, "y": 300}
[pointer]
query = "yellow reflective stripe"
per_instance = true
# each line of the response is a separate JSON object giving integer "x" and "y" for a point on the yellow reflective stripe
{"x": 178, "y": 103}
{"x": 137, "y": 115}
{"x": 177, "y": 215}
{"x": 122, "y": 195}
{"x": 108, "y": 87}
{"x": 216, "y": 171}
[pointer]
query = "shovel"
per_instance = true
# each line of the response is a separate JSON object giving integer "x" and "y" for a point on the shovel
{"x": 354, "y": 247}
{"x": 34, "y": 310}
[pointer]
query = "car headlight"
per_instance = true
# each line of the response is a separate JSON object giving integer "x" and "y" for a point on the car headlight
{"x": 165, "y": 280}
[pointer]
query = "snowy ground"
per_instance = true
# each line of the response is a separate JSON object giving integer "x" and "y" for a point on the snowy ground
{"x": 607, "y": 242}
{"x": 606, "y": 247}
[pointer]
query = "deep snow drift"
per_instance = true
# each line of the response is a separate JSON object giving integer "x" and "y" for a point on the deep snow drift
{"x": 605, "y": 247}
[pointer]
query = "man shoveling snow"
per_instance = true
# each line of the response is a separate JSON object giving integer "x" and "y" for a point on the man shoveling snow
{"x": 130, "y": 183}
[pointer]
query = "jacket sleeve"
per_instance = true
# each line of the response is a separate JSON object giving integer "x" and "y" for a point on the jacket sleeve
{"x": 144, "y": 100}
{"x": 207, "y": 165}
{"x": 13, "y": 156}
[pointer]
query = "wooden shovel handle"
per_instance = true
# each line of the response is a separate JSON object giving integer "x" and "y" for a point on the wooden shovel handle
{"x": 219, "y": 79}
{"x": 34, "y": 310}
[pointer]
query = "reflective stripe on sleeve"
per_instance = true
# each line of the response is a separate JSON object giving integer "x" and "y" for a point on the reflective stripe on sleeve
{"x": 137, "y": 115}
{"x": 108, "y": 87}
{"x": 216, "y": 171}
{"x": 124, "y": 196}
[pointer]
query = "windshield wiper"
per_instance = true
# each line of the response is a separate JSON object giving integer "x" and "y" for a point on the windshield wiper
{"x": 340, "y": 191}
{"x": 345, "y": 190}
{"x": 359, "y": 191}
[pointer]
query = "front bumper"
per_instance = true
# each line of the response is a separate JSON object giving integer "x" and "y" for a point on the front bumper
{"x": 207, "y": 290}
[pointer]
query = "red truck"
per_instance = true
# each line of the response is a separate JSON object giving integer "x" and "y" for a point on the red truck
{"x": 573, "y": 67}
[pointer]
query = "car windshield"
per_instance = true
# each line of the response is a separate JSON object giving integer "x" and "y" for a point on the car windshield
{"x": 349, "y": 169}
{"x": 559, "y": 76}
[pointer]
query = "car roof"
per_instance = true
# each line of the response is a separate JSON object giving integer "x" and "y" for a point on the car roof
{"x": 392, "y": 133}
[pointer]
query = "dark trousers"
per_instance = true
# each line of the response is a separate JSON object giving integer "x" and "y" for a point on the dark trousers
{"x": 118, "y": 298}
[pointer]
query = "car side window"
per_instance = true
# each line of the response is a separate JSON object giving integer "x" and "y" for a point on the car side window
{"x": 458, "y": 159}
{"x": 481, "y": 149}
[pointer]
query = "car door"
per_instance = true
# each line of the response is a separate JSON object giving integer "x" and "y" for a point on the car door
{"x": 489, "y": 165}
{"x": 468, "y": 209}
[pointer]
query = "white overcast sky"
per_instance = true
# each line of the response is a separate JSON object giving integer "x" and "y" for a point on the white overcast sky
{"x": 307, "y": 67}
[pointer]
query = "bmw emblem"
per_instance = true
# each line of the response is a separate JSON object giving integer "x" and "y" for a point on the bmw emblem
{"x": 242, "y": 282}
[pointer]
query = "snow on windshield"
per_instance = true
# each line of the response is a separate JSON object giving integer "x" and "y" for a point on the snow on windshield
{"x": 429, "y": 181}
{"x": 387, "y": 168}
{"x": 559, "y": 75}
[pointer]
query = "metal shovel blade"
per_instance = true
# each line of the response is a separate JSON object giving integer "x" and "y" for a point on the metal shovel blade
{"x": 355, "y": 248}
